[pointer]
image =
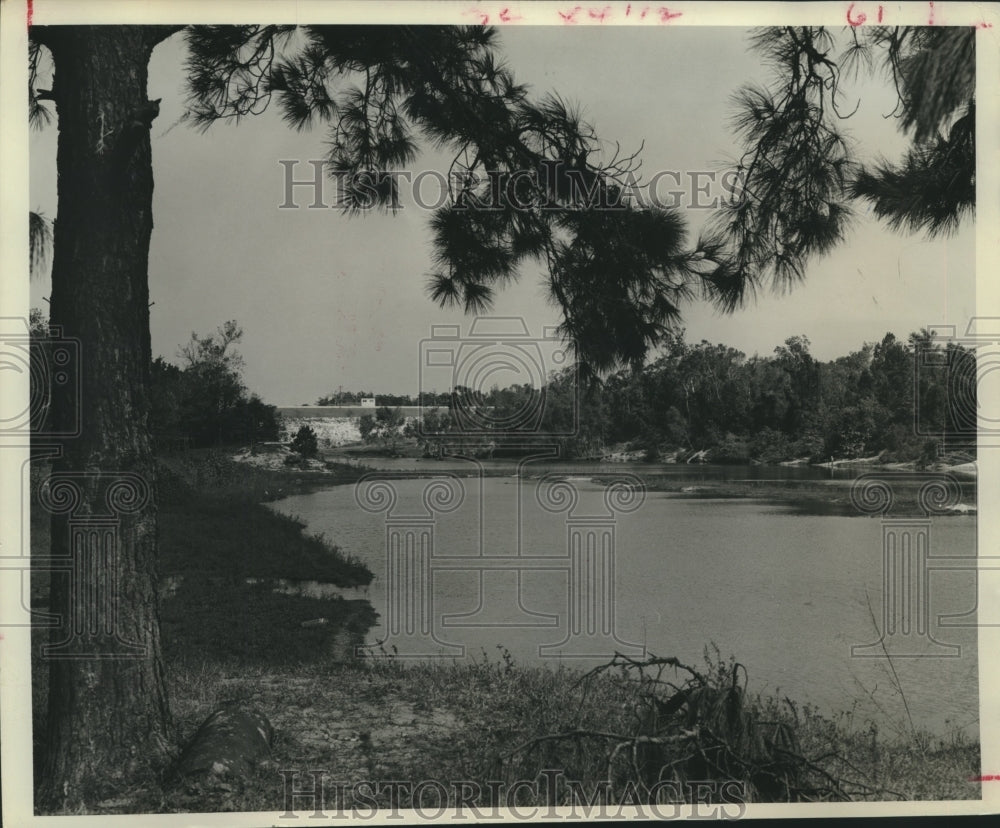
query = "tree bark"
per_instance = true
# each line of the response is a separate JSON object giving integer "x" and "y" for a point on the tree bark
{"x": 108, "y": 722}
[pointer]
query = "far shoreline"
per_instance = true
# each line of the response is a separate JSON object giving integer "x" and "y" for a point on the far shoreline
{"x": 826, "y": 495}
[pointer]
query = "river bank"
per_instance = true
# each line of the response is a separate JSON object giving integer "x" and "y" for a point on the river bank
{"x": 385, "y": 720}
{"x": 908, "y": 495}
{"x": 806, "y": 485}
{"x": 229, "y": 636}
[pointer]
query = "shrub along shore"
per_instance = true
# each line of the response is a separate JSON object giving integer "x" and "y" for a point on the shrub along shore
{"x": 227, "y": 636}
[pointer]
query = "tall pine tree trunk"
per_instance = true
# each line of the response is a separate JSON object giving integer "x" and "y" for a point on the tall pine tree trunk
{"x": 108, "y": 720}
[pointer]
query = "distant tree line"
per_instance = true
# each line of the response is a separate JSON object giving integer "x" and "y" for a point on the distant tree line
{"x": 902, "y": 400}
{"x": 899, "y": 399}
{"x": 387, "y": 400}
{"x": 201, "y": 402}
{"x": 204, "y": 402}
{"x": 386, "y": 428}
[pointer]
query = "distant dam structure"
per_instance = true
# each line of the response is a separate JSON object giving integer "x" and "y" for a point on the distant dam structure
{"x": 338, "y": 424}
{"x": 313, "y": 412}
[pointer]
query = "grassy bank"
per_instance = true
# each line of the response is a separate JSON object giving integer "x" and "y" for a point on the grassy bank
{"x": 228, "y": 636}
{"x": 220, "y": 550}
{"x": 493, "y": 720}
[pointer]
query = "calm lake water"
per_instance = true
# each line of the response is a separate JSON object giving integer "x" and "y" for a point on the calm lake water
{"x": 784, "y": 591}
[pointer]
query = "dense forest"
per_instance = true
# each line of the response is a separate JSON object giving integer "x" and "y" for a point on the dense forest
{"x": 204, "y": 401}
{"x": 902, "y": 400}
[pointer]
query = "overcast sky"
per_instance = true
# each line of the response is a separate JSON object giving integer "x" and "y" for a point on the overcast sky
{"x": 328, "y": 301}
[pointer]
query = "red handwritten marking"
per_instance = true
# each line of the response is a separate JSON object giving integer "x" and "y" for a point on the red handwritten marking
{"x": 666, "y": 15}
{"x": 990, "y": 777}
{"x": 930, "y": 17}
{"x": 855, "y": 21}
{"x": 642, "y": 14}
{"x": 570, "y": 17}
{"x": 599, "y": 14}
{"x": 984, "y": 25}
{"x": 507, "y": 17}
{"x": 31, "y": 11}
{"x": 879, "y": 14}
